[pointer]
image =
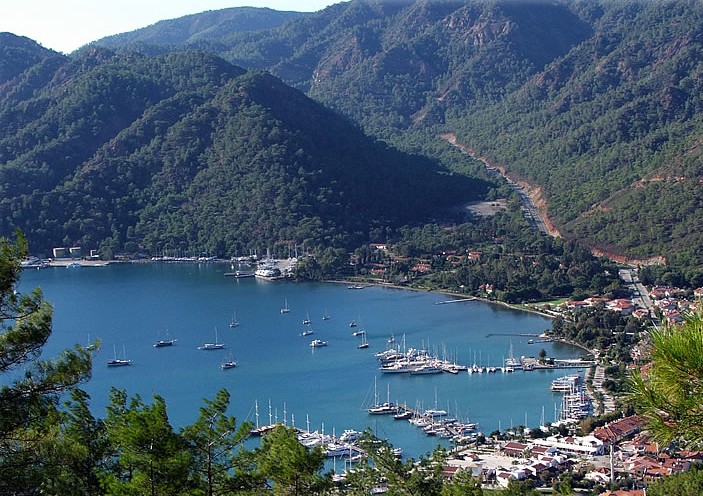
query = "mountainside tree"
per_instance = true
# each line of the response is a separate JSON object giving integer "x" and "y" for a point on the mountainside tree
{"x": 290, "y": 466}
{"x": 149, "y": 457}
{"x": 129, "y": 152}
{"x": 595, "y": 104}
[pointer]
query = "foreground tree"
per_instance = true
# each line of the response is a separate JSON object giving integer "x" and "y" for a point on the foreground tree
{"x": 214, "y": 441}
{"x": 687, "y": 484}
{"x": 292, "y": 468}
{"x": 383, "y": 468}
{"x": 670, "y": 393}
{"x": 77, "y": 452}
{"x": 31, "y": 387}
{"x": 150, "y": 459}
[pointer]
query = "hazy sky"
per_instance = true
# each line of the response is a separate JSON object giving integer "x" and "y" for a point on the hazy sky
{"x": 65, "y": 25}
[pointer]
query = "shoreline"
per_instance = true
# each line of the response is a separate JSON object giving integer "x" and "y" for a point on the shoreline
{"x": 586, "y": 350}
{"x": 442, "y": 292}
{"x": 357, "y": 285}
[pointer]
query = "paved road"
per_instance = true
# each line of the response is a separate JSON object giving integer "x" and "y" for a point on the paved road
{"x": 641, "y": 295}
{"x": 598, "y": 378}
{"x": 530, "y": 209}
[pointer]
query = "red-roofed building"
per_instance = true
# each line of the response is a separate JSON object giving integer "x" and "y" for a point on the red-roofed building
{"x": 622, "y": 305}
{"x": 474, "y": 255}
{"x": 575, "y": 304}
{"x": 620, "y": 429}
{"x": 514, "y": 448}
{"x": 449, "y": 472}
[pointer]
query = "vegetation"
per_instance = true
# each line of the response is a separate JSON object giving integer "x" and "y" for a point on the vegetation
{"x": 30, "y": 389}
{"x": 686, "y": 484}
{"x": 668, "y": 394}
{"x": 186, "y": 153}
{"x": 611, "y": 333}
{"x": 498, "y": 257}
{"x": 593, "y": 103}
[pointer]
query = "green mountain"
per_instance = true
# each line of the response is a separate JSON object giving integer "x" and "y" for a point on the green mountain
{"x": 595, "y": 105}
{"x": 185, "y": 151}
{"x": 18, "y": 54}
{"x": 611, "y": 131}
{"x": 205, "y": 30}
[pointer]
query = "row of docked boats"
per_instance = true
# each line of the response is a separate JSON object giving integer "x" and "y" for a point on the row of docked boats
{"x": 345, "y": 446}
{"x": 575, "y": 404}
{"x": 416, "y": 362}
{"x": 433, "y": 421}
{"x": 437, "y": 423}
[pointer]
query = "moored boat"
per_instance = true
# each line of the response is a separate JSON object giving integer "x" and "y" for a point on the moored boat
{"x": 217, "y": 345}
{"x": 403, "y": 415}
{"x": 234, "y": 322}
{"x": 211, "y": 346}
{"x": 426, "y": 369}
{"x": 387, "y": 408}
{"x": 162, "y": 343}
{"x": 565, "y": 383}
{"x": 118, "y": 362}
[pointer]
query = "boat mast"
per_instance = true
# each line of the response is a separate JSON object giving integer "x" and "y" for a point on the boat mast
{"x": 256, "y": 412}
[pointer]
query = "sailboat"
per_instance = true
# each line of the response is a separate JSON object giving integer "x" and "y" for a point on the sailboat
{"x": 166, "y": 341}
{"x": 306, "y": 321}
{"x": 234, "y": 322}
{"x": 364, "y": 343}
{"x": 325, "y": 316}
{"x": 285, "y": 308}
{"x": 212, "y": 346}
{"x": 118, "y": 362}
{"x": 386, "y": 408}
{"x": 229, "y": 363}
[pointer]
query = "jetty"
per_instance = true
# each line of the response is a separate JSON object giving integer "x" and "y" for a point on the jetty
{"x": 437, "y": 422}
{"x": 456, "y": 300}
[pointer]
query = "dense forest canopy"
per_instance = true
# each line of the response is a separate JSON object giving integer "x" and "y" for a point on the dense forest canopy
{"x": 184, "y": 151}
{"x": 594, "y": 104}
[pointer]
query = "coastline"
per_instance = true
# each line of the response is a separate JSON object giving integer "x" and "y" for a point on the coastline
{"x": 355, "y": 284}
{"x": 469, "y": 298}
{"x": 442, "y": 292}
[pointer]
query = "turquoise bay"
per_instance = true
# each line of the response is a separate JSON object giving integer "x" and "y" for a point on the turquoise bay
{"x": 130, "y": 306}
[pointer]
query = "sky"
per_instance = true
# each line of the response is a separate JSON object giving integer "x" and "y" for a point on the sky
{"x": 65, "y": 25}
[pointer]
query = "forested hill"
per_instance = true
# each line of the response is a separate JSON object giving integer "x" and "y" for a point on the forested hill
{"x": 597, "y": 104}
{"x": 206, "y": 30}
{"x": 186, "y": 151}
{"x": 17, "y": 54}
{"x": 611, "y": 132}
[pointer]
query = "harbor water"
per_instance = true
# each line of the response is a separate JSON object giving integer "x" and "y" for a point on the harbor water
{"x": 128, "y": 307}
